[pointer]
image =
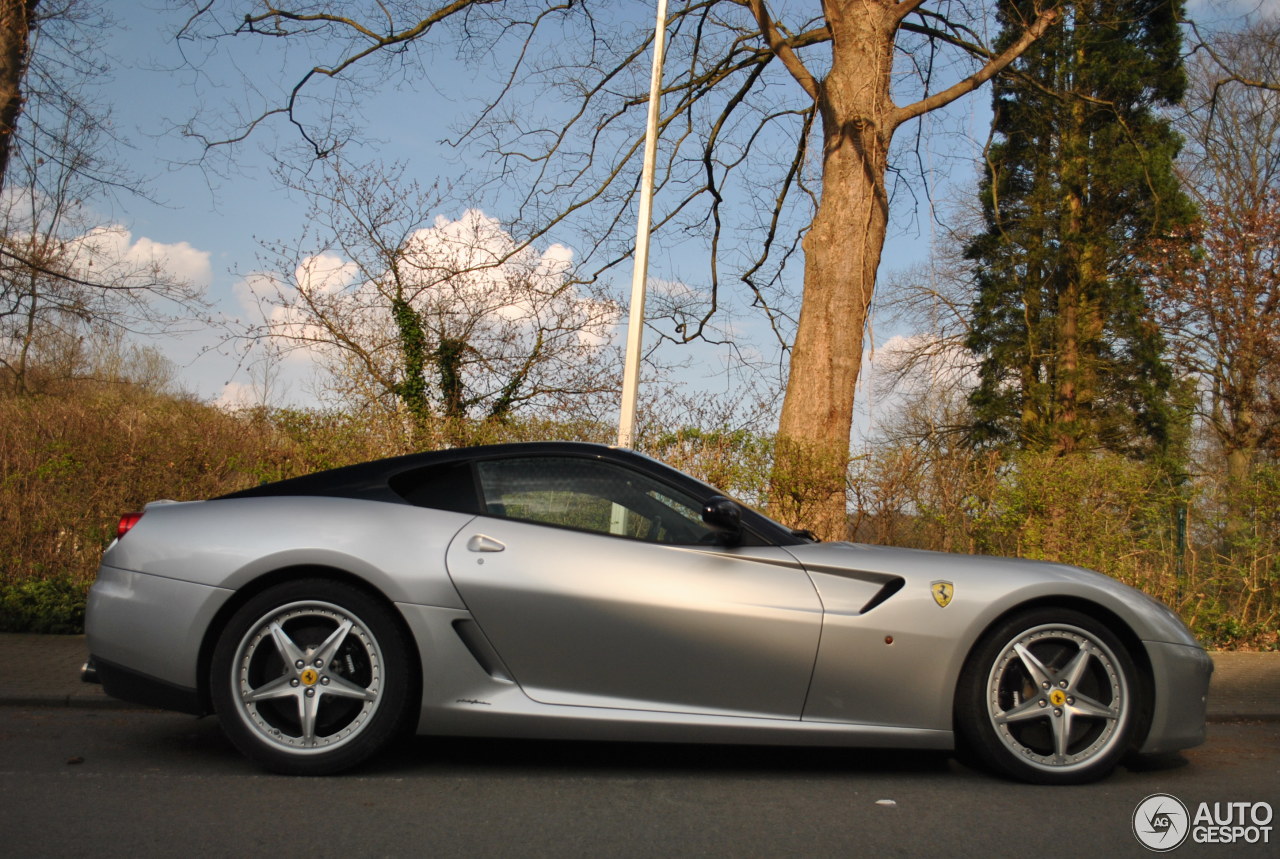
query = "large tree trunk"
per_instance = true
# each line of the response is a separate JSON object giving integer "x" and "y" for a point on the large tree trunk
{"x": 1072, "y": 368}
{"x": 842, "y": 251}
{"x": 15, "y": 35}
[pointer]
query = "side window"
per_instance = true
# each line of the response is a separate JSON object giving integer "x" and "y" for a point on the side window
{"x": 443, "y": 487}
{"x": 588, "y": 495}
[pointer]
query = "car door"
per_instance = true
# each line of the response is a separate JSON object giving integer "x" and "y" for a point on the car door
{"x": 600, "y": 586}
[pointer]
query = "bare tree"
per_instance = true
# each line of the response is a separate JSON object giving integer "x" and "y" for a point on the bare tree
{"x": 775, "y": 125}
{"x": 932, "y": 303}
{"x": 16, "y": 17}
{"x": 1226, "y": 302}
{"x": 445, "y": 321}
{"x": 1218, "y": 295}
{"x": 1217, "y": 289}
{"x": 66, "y": 274}
{"x": 64, "y": 279}
{"x": 1232, "y": 128}
{"x": 1221, "y": 60}
{"x": 51, "y": 64}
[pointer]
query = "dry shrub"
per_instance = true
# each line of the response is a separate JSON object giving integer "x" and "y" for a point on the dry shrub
{"x": 1095, "y": 510}
{"x": 736, "y": 461}
{"x": 1100, "y": 511}
{"x": 1232, "y": 572}
{"x": 74, "y": 461}
{"x": 70, "y": 465}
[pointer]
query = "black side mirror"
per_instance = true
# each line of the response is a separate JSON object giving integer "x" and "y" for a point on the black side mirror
{"x": 723, "y": 516}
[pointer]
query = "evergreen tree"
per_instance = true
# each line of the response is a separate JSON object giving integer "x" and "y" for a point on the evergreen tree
{"x": 1080, "y": 177}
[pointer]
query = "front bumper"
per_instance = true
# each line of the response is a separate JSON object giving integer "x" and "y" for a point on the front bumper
{"x": 1181, "y": 681}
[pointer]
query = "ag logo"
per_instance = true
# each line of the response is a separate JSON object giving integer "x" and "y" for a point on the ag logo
{"x": 942, "y": 592}
{"x": 1161, "y": 823}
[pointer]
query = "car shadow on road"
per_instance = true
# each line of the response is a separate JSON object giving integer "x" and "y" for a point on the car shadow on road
{"x": 529, "y": 757}
{"x": 203, "y": 741}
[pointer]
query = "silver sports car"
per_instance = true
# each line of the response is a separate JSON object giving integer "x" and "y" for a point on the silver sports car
{"x": 564, "y": 590}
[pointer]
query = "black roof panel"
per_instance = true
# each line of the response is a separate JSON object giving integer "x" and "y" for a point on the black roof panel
{"x": 377, "y": 480}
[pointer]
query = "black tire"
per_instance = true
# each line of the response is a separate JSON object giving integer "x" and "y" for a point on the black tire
{"x": 313, "y": 676}
{"x": 1049, "y": 696}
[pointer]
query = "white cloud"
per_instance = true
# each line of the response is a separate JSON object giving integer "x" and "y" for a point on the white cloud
{"x": 937, "y": 364}
{"x": 467, "y": 277}
{"x": 278, "y": 303}
{"x": 114, "y": 247}
{"x": 106, "y": 252}
{"x": 324, "y": 274}
{"x": 556, "y": 260}
{"x": 474, "y": 261}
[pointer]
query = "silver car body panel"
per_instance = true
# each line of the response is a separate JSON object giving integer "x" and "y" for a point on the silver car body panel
{"x": 158, "y": 590}
{"x": 462, "y": 699}
{"x": 899, "y": 663}
{"x": 594, "y": 620}
{"x": 538, "y": 631}
{"x": 396, "y": 548}
{"x": 151, "y": 624}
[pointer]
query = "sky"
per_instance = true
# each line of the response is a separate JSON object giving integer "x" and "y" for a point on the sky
{"x": 209, "y": 224}
{"x": 211, "y": 220}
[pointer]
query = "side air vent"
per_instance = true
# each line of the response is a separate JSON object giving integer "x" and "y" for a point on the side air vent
{"x": 890, "y": 588}
{"x": 481, "y": 650}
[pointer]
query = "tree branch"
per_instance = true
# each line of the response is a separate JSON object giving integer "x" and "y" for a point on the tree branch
{"x": 986, "y": 73}
{"x": 782, "y": 48}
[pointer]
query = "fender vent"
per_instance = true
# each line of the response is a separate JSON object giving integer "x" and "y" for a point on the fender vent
{"x": 890, "y": 588}
{"x": 481, "y": 650}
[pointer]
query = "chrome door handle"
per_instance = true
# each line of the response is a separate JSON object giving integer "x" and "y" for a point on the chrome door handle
{"x": 481, "y": 543}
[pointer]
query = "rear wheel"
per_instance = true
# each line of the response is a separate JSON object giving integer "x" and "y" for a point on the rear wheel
{"x": 1049, "y": 696}
{"x": 312, "y": 677}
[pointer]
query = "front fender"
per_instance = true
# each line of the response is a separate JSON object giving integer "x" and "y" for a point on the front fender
{"x": 899, "y": 662}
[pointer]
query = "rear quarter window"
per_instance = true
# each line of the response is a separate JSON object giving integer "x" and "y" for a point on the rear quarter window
{"x": 441, "y": 487}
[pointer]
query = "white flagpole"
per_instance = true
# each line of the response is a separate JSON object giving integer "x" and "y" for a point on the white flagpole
{"x": 640, "y": 273}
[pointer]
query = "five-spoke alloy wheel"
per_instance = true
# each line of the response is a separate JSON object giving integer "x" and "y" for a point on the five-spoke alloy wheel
{"x": 1049, "y": 696}
{"x": 312, "y": 677}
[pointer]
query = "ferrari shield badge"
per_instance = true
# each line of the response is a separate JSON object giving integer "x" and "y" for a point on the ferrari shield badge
{"x": 942, "y": 592}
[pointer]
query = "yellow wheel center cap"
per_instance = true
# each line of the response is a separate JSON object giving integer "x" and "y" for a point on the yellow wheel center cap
{"x": 1057, "y": 697}
{"x": 309, "y": 677}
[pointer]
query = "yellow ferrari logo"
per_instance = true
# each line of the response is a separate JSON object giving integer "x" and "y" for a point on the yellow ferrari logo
{"x": 1057, "y": 697}
{"x": 309, "y": 677}
{"x": 942, "y": 593}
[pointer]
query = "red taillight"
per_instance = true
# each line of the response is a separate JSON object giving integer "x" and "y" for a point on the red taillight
{"x": 127, "y": 521}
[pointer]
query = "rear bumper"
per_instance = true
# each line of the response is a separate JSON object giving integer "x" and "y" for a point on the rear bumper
{"x": 1181, "y": 681}
{"x": 145, "y": 633}
{"x": 127, "y": 685}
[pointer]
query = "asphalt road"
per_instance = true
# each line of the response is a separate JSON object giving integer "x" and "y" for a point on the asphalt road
{"x": 142, "y": 783}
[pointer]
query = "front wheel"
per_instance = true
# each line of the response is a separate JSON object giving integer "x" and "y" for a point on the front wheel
{"x": 312, "y": 677}
{"x": 1049, "y": 696}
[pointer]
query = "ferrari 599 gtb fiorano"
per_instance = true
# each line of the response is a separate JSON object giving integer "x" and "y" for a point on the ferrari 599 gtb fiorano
{"x": 561, "y": 590}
